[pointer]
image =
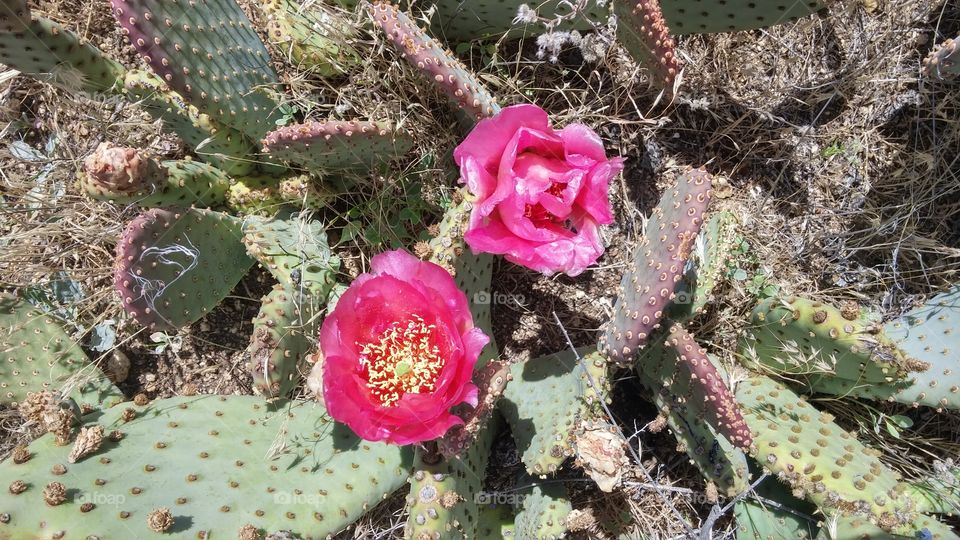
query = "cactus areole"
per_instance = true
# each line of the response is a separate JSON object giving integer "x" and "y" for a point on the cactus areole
{"x": 399, "y": 351}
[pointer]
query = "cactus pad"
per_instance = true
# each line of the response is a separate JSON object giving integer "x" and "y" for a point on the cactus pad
{"x": 316, "y": 38}
{"x": 283, "y": 334}
{"x": 336, "y": 145}
{"x": 760, "y": 520}
{"x": 544, "y": 510}
{"x": 126, "y": 176}
{"x": 943, "y": 62}
{"x": 648, "y": 286}
{"x": 436, "y": 62}
{"x": 208, "y": 52}
{"x": 173, "y": 266}
{"x": 699, "y": 17}
{"x": 42, "y": 48}
{"x": 295, "y": 251}
{"x": 643, "y": 31}
{"x": 545, "y": 402}
{"x": 711, "y": 252}
{"x": 37, "y": 355}
{"x": 217, "y": 463}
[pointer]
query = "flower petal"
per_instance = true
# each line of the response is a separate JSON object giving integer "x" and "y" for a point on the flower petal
{"x": 490, "y": 136}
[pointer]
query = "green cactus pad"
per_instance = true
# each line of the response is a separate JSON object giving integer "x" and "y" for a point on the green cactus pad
{"x": 803, "y": 337}
{"x": 45, "y": 50}
{"x": 830, "y": 467}
{"x": 707, "y": 386}
{"x": 670, "y": 390}
{"x": 943, "y": 62}
{"x": 544, "y": 402}
{"x": 444, "y": 494}
{"x": 857, "y": 528}
{"x": 939, "y": 493}
{"x": 174, "y": 266}
{"x": 699, "y": 17}
{"x": 643, "y": 31}
{"x": 543, "y": 510}
{"x": 284, "y": 332}
{"x": 761, "y": 520}
{"x": 218, "y": 463}
{"x": 436, "y": 62}
{"x": 477, "y": 19}
{"x": 712, "y": 250}
{"x": 38, "y": 355}
{"x": 336, "y": 145}
{"x": 648, "y": 285}
{"x": 930, "y": 333}
{"x": 209, "y": 53}
{"x": 496, "y": 522}
{"x": 126, "y": 176}
{"x": 295, "y": 251}
{"x": 217, "y": 144}
{"x": 317, "y": 38}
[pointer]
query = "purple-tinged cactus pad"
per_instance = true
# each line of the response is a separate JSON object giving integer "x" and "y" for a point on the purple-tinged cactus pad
{"x": 648, "y": 286}
{"x": 436, "y": 62}
{"x": 208, "y": 51}
{"x": 644, "y": 32}
{"x": 707, "y": 386}
{"x": 337, "y": 145}
{"x": 174, "y": 266}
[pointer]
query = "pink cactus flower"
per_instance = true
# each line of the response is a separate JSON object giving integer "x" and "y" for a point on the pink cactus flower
{"x": 399, "y": 351}
{"x": 541, "y": 194}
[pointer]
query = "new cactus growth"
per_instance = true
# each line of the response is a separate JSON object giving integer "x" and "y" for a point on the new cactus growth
{"x": 220, "y": 464}
{"x": 127, "y": 176}
{"x": 337, "y": 145}
{"x": 437, "y": 63}
{"x": 943, "y": 62}
{"x": 174, "y": 266}
{"x": 283, "y": 335}
{"x": 648, "y": 287}
{"x": 37, "y": 355}
{"x": 208, "y": 52}
{"x": 645, "y": 34}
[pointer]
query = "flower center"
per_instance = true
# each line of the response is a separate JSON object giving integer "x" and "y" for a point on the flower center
{"x": 537, "y": 213}
{"x": 404, "y": 360}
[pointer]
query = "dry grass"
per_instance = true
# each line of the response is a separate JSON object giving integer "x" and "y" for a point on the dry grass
{"x": 844, "y": 169}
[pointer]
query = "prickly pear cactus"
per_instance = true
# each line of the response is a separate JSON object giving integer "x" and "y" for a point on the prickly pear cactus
{"x": 943, "y": 62}
{"x": 437, "y": 63}
{"x": 642, "y": 29}
{"x": 496, "y": 522}
{"x": 44, "y": 49}
{"x": 126, "y": 176}
{"x": 711, "y": 252}
{"x": 544, "y": 508}
{"x": 219, "y": 464}
{"x": 316, "y": 37}
{"x": 174, "y": 266}
{"x": 763, "y": 519}
{"x": 699, "y": 17}
{"x": 546, "y": 400}
{"x": 178, "y": 41}
{"x": 38, "y": 355}
{"x": 336, "y": 145}
{"x": 648, "y": 286}
{"x": 284, "y": 332}
{"x": 295, "y": 251}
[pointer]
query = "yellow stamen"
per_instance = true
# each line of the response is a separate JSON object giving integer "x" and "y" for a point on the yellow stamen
{"x": 403, "y": 360}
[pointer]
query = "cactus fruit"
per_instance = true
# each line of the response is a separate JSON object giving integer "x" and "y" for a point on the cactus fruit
{"x": 39, "y": 356}
{"x": 543, "y": 510}
{"x": 643, "y": 31}
{"x": 777, "y": 515}
{"x": 126, "y": 176}
{"x": 670, "y": 386}
{"x": 335, "y": 145}
{"x": 802, "y": 337}
{"x": 42, "y": 48}
{"x": 173, "y": 266}
{"x": 208, "y": 52}
{"x": 283, "y": 334}
{"x": 943, "y": 62}
{"x": 707, "y": 386}
{"x": 294, "y": 251}
{"x": 316, "y": 38}
{"x": 711, "y": 252}
{"x": 218, "y": 464}
{"x": 546, "y": 401}
{"x": 819, "y": 460}
{"x": 648, "y": 286}
{"x": 437, "y": 63}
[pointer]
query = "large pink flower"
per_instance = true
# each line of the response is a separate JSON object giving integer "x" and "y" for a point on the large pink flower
{"x": 541, "y": 194}
{"x": 399, "y": 351}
